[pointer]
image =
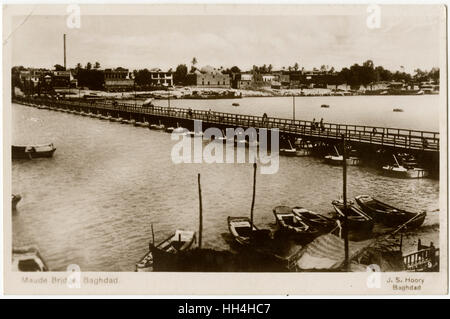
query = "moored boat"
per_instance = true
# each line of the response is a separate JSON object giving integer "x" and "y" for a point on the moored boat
{"x": 406, "y": 169}
{"x": 387, "y": 214}
{"x": 15, "y": 198}
{"x": 181, "y": 240}
{"x": 294, "y": 225}
{"x": 157, "y": 127}
{"x": 351, "y": 159}
{"x": 358, "y": 221}
{"x": 242, "y": 231}
{"x": 194, "y": 134}
{"x": 322, "y": 223}
{"x": 28, "y": 259}
{"x": 179, "y": 130}
{"x": 32, "y": 151}
{"x": 288, "y": 151}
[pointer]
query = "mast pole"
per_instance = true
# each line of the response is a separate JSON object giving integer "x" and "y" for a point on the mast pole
{"x": 200, "y": 224}
{"x": 344, "y": 191}
{"x": 253, "y": 197}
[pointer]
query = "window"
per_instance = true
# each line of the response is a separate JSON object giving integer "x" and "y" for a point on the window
{"x": 208, "y": 83}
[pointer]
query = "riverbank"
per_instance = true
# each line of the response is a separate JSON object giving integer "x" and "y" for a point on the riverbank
{"x": 216, "y": 93}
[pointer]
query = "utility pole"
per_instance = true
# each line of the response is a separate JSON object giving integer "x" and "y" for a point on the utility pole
{"x": 65, "y": 51}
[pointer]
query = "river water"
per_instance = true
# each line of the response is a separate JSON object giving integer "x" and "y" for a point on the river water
{"x": 93, "y": 203}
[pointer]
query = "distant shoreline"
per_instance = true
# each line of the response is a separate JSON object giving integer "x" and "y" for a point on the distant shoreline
{"x": 186, "y": 93}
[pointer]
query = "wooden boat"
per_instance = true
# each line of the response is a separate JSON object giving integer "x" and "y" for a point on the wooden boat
{"x": 358, "y": 221}
{"x": 397, "y": 110}
{"x": 235, "y": 104}
{"x": 407, "y": 169}
{"x": 242, "y": 232}
{"x": 194, "y": 134}
{"x": 351, "y": 160}
{"x": 169, "y": 129}
{"x": 322, "y": 223}
{"x": 294, "y": 225}
{"x": 387, "y": 214}
{"x": 304, "y": 148}
{"x": 181, "y": 240}
{"x": 325, "y": 106}
{"x": 15, "y": 198}
{"x": 35, "y": 151}
{"x": 180, "y": 130}
{"x": 28, "y": 259}
{"x": 157, "y": 127}
{"x": 288, "y": 151}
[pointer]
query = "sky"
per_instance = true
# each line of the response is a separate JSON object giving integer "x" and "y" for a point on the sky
{"x": 147, "y": 41}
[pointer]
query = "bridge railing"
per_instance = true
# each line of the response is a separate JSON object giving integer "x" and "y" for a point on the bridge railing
{"x": 395, "y": 137}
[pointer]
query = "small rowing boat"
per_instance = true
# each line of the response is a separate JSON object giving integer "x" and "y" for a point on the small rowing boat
{"x": 34, "y": 151}
{"x": 15, "y": 198}
{"x": 28, "y": 259}
{"x": 242, "y": 231}
{"x": 387, "y": 214}
{"x": 351, "y": 160}
{"x": 322, "y": 223}
{"x": 294, "y": 225}
{"x": 358, "y": 221}
{"x": 181, "y": 240}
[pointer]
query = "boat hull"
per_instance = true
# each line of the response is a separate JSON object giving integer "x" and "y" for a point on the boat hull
{"x": 29, "y": 152}
{"x": 162, "y": 256}
{"x": 351, "y": 161}
{"x": 358, "y": 221}
{"x": 410, "y": 173}
{"x": 389, "y": 215}
{"x": 293, "y": 226}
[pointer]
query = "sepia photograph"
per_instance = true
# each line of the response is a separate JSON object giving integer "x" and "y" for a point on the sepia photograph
{"x": 238, "y": 139}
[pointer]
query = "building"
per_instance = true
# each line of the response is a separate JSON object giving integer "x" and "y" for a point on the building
{"x": 245, "y": 81}
{"x": 209, "y": 77}
{"x": 61, "y": 79}
{"x": 161, "y": 78}
{"x": 118, "y": 80}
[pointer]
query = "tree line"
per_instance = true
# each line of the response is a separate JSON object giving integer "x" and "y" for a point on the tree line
{"x": 365, "y": 74}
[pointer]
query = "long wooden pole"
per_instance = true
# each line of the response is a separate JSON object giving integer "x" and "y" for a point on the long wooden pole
{"x": 153, "y": 236}
{"x": 344, "y": 191}
{"x": 200, "y": 224}
{"x": 253, "y": 197}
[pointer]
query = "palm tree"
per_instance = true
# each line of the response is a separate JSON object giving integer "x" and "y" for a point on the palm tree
{"x": 296, "y": 66}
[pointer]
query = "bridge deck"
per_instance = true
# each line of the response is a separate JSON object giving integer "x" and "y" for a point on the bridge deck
{"x": 389, "y": 137}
